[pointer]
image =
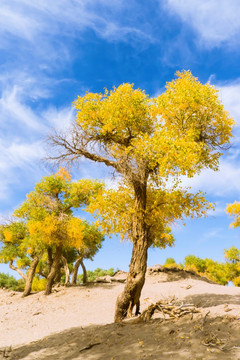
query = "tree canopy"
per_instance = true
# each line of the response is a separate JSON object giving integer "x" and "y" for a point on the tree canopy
{"x": 45, "y": 229}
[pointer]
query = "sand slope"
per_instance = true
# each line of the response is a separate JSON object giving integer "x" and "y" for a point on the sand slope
{"x": 73, "y": 322}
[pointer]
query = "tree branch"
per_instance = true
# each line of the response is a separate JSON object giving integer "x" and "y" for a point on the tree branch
{"x": 75, "y": 150}
{"x": 20, "y": 272}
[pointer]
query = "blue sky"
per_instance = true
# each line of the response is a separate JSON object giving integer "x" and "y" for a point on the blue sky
{"x": 50, "y": 52}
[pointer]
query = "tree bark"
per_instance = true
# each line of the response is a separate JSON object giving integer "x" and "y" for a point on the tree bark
{"x": 30, "y": 276}
{"x": 84, "y": 271}
{"x": 58, "y": 275}
{"x": 20, "y": 272}
{"x": 67, "y": 272}
{"x": 75, "y": 272}
{"x": 50, "y": 258}
{"x": 130, "y": 296}
{"x": 54, "y": 269}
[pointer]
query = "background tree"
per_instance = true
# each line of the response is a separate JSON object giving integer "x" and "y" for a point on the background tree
{"x": 48, "y": 214}
{"x": 232, "y": 255}
{"x": 148, "y": 141}
{"x": 91, "y": 243}
{"x": 170, "y": 262}
{"x": 15, "y": 251}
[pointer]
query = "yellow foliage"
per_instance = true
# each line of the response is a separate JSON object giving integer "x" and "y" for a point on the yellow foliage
{"x": 75, "y": 228}
{"x": 7, "y": 235}
{"x": 116, "y": 209}
{"x": 63, "y": 174}
{"x": 38, "y": 284}
{"x": 191, "y": 267}
{"x": 236, "y": 281}
{"x": 234, "y": 210}
{"x": 176, "y": 133}
{"x": 57, "y": 230}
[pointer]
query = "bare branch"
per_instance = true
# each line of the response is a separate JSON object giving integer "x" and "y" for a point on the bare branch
{"x": 71, "y": 150}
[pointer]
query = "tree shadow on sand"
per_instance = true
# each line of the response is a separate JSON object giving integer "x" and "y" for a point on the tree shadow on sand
{"x": 181, "y": 339}
{"x": 208, "y": 300}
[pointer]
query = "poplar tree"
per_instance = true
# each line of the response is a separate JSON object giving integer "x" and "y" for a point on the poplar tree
{"x": 149, "y": 143}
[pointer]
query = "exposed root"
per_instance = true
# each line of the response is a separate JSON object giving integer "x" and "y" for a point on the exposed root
{"x": 169, "y": 309}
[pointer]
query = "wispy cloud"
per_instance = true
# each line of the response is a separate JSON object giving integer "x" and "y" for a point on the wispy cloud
{"x": 30, "y": 20}
{"x": 215, "y": 21}
{"x": 23, "y": 126}
{"x": 220, "y": 183}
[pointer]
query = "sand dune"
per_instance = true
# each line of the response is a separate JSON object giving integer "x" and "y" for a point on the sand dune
{"x": 77, "y": 323}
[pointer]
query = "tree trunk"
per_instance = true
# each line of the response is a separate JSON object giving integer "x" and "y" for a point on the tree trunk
{"x": 20, "y": 272}
{"x": 54, "y": 269}
{"x": 130, "y": 296}
{"x": 75, "y": 272}
{"x": 50, "y": 258}
{"x": 67, "y": 272}
{"x": 84, "y": 271}
{"x": 30, "y": 276}
{"x": 58, "y": 275}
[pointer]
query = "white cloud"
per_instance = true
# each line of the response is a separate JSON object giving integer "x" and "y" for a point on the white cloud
{"x": 218, "y": 183}
{"x": 230, "y": 96}
{"x": 12, "y": 108}
{"x": 22, "y": 129}
{"x": 59, "y": 119}
{"x": 32, "y": 19}
{"x": 216, "y": 21}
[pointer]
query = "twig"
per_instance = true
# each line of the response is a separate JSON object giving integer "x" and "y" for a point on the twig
{"x": 89, "y": 346}
{"x": 204, "y": 318}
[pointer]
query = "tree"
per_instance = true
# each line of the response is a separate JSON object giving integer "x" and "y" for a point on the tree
{"x": 148, "y": 141}
{"x": 92, "y": 242}
{"x": 196, "y": 263}
{"x": 48, "y": 215}
{"x": 170, "y": 261}
{"x": 232, "y": 257}
{"x": 15, "y": 251}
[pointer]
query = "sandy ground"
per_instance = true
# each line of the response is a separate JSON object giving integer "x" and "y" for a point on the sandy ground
{"x": 76, "y": 323}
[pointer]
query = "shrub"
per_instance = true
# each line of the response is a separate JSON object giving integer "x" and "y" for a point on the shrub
{"x": 170, "y": 261}
{"x": 9, "y": 282}
{"x": 93, "y": 275}
{"x": 198, "y": 263}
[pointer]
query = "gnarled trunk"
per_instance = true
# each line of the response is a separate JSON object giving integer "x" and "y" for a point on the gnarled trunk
{"x": 130, "y": 296}
{"x": 66, "y": 270}
{"x": 54, "y": 269}
{"x": 30, "y": 276}
{"x": 84, "y": 271}
{"x": 50, "y": 258}
{"x": 75, "y": 272}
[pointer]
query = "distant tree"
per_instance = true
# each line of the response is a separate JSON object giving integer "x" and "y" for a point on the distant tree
{"x": 15, "y": 251}
{"x": 147, "y": 141}
{"x": 93, "y": 275}
{"x": 9, "y": 282}
{"x": 48, "y": 215}
{"x": 216, "y": 271}
{"x": 91, "y": 243}
{"x": 169, "y": 261}
{"x": 192, "y": 261}
{"x": 232, "y": 257}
